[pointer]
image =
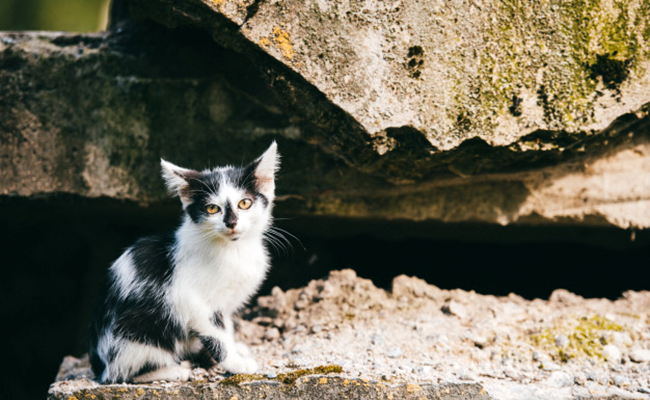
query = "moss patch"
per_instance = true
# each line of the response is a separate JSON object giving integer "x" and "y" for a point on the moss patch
{"x": 288, "y": 378}
{"x": 561, "y": 51}
{"x": 238, "y": 379}
{"x": 587, "y": 336}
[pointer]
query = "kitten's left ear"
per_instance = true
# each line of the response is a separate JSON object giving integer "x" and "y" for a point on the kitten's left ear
{"x": 265, "y": 168}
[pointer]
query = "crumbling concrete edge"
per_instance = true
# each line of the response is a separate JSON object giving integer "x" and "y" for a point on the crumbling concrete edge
{"x": 308, "y": 387}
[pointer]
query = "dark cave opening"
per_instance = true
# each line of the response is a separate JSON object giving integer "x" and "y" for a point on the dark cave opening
{"x": 56, "y": 251}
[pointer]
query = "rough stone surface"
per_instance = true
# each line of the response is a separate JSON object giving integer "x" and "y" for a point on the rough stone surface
{"x": 363, "y": 133}
{"x": 499, "y": 348}
{"x": 451, "y": 71}
{"x": 457, "y": 70}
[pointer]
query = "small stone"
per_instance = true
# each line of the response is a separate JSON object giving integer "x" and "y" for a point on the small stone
{"x": 290, "y": 324}
{"x": 438, "y": 338}
{"x": 643, "y": 390}
{"x": 395, "y": 352}
{"x": 536, "y": 356}
{"x": 620, "y": 339}
{"x": 271, "y": 375}
{"x": 406, "y": 367}
{"x": 454, "y": 308}
{"x": 271, "y": 334}
{"x": 611, "y": 353}
{"x": 621, "y": 381}
{"x": 560, "y": 379}
{"x": 298, "y": 362}
{"x": 561, "y": 341}
{"x": 480, "y": 341}
{"x": 303, "y": 301}
{"x": 425, "y": 370}
{"x": 376, "y": 339}
{"x": 465, "y": 375}
{"x": 639, "y": 355}
{"x": 549, "y": 366}
{"x": 316, "y": 329}
{"x": 299, "y": 348}
{"x": 592, "y": 377}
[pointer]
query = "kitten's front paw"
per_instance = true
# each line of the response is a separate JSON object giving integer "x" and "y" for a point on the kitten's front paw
{"x": 239, "y": 365}
{"x": 242, "y": 349}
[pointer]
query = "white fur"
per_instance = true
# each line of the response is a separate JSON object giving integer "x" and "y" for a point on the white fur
{"x": 125, "y": 275}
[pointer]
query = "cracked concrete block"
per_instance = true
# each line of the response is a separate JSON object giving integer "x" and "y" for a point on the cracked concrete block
{"x": 499, "y": 113}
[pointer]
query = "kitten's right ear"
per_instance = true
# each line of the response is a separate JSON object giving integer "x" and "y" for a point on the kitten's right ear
{"x": 177, "y": 180}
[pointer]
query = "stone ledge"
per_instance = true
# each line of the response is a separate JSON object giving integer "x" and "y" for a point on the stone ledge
{"x": 307, "y": 387}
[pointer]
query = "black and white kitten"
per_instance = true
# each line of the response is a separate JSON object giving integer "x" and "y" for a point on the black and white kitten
{"x": 170, "y": 299}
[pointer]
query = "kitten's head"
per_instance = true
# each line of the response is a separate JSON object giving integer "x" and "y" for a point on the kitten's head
{"x": 227, "y": 202}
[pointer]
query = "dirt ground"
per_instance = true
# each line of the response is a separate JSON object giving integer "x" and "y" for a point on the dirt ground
{"x": 562, "y": 348}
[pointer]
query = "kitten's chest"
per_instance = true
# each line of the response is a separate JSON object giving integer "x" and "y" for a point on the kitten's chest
{"x": 227, "y": 278}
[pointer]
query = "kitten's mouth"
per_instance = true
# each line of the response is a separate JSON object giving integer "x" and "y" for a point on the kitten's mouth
{"x": 233, "y": 234}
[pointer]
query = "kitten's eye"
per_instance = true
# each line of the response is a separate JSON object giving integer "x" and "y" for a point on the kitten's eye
{"x": 245, "y": 204}
{"x": 212, "y": 209}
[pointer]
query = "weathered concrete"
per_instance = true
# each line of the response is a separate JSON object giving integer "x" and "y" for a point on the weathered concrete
{"x": 90, "y": 115}
{"x": 451, "y": 71}
{"x": 310, "y": 387}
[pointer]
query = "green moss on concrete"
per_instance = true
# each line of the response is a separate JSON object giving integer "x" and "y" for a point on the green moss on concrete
{"x": 586, "y": 338}
{"x": 238, "y": 379}
{"x": 561, "y": 52}
{"x": 288, "y": 378}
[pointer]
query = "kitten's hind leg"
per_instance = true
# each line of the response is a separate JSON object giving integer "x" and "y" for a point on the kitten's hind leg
{"x": 178, "y": 372}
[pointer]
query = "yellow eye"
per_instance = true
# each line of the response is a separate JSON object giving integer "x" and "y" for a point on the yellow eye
{"x": 212, "y": 209}
{"x": 245, "y": 204}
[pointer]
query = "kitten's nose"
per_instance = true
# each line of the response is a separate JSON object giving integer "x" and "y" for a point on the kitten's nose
{"x": 231, "y": 224}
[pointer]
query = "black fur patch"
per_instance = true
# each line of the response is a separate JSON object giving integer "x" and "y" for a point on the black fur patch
{"x": 147, "y": 321}
{"x": 214, "y": 347}
{"x": 200, "y": 189}
{"x": 230, "y": 216}
{"x": 217, "y": 320}
{"x": 144, "y": 316}
{"x": 152, "y": 258}
{"x": 249, "y": 182}
{"x": 202, "y": 358}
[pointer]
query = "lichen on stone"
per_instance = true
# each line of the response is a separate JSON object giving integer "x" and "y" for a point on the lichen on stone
{"x": 283, "y": 41}
{"x": 238, "y": 379}
{"x": 288, "y": 378}
{"x": 586, "y": 338}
